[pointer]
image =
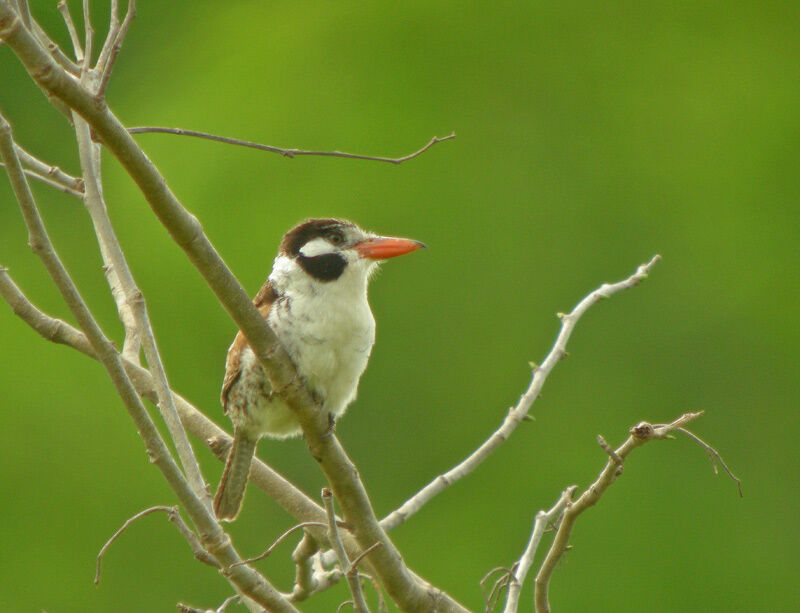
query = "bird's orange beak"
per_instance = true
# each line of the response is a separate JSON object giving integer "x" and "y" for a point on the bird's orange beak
{"x": 383, "y": 247}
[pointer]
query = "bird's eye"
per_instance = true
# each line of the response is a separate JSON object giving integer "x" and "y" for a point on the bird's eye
{"x": 337, "y": 239}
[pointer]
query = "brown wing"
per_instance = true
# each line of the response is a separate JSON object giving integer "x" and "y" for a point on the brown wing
{"x": 233, "y": 367}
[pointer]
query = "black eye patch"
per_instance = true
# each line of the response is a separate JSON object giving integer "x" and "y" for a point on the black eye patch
{"x": 326, "y": 267}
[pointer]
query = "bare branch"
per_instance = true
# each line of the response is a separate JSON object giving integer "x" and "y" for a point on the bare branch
{"x": 353, "y": 567}
{"x": 310, "y": 575}
{"x": 506, "y": 576}
{"x": 111, "y": 37}
{"x": 108, "y": 57}
{"x": 382, "y": 608}
{"x": 215, "y": 540}
{"x": 609, "y": 450}
{"x": 280, "y": 539}
{"x": 542, "y": 521}
{"x": 63, "y": 8}
{"x": 359, "y": 604}
{"x": 131, "y": 302}
{"x": 88, "y": 38}
{"x": 715, "y": 458}
{"x": 52, "y": 329}
{"x": 185, "y": 608}
{"x": 175, "y": 517}
{"x": 292, "y": 500}
{"x": 639, "y": 434}
{"x": 48, "y": 171}
{"x": 47, "y": 181}
{"x": 518, "y": 413}
{"x": 55, "y": 51}
{"x": 289, "y": 153}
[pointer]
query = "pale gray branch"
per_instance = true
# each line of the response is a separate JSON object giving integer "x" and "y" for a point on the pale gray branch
{"x": 55, "y": 51}
{"x": 639, "y": 434}
{"x": 311, "y": 576}
{"x": 519, "y": 412}
{"x": 280, "y": 539}
{"x": 108, "y": 57}
{"x": 48, "y": 171}
{"x": 131, "y": 304}
{"x": 359, "y": 604}
{"x": 289, "y": 153}
{"x": 123, "y": 294}
{"x": 88, "y": 38}
{"x": 111, "y": 36}
{"x": 542, "y": 521}
{"x": 63, "y": 8}
{"x": 47, "y": 181}
{"x": 214, "y": 539}
{"x": 25, "y": 12}
{"x": 174, "y": 517}
{"x": 292, "y": 500}
{"x": 185, "y": 608}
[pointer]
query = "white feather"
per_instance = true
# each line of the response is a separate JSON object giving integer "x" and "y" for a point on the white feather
{"x": 326, "y": 327}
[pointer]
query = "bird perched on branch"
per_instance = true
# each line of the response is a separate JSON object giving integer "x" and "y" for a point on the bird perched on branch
{"x": 315, "y": 301}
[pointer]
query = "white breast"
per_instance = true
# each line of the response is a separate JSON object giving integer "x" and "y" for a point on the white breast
{"x": 328, "y": 330}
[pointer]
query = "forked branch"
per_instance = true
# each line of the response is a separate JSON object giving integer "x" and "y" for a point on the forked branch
{"x": 544, "y": 519}
{"x": 639, "y": 435}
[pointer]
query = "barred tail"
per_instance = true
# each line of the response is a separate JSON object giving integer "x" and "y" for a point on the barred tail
{"x": 230, "y": 493}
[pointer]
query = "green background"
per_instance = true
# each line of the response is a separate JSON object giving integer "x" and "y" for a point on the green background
{"x": 590, "y": 137}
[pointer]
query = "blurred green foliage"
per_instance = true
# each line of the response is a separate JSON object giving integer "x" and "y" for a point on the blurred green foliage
{"x": 590, "y": 136}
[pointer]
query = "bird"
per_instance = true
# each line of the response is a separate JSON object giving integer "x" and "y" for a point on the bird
{"x": 315, "y": 301}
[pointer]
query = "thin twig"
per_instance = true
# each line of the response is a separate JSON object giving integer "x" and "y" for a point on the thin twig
{"x": 63, "y": 8}
{"x": 714, "y": 456}
{"x": 382, "y": 608}
{"x": 111, "y": 36}
{"x": 88, "y": 38}
{"x": 175, "y": 517}
{"x": 543, "y": 519}
{"x": 609, "y": 450}
{"x": 518, "y": 413}
{"x": 279, "y": 540}
{"x": 48, "y": 181}
{"x": 491, "y": 597}
{"x": 639, "y": 434}
{"x": 107, "y": 60}
{"x": 55, "y": 51}
{"x": 54, "y": 173}
{"x": 289, "y": 153}
{"x": 54, "y": 330}
{"x": 185, "y": 608}
{"x": 359, "y": 604}
{"x": 353, "y": 568}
